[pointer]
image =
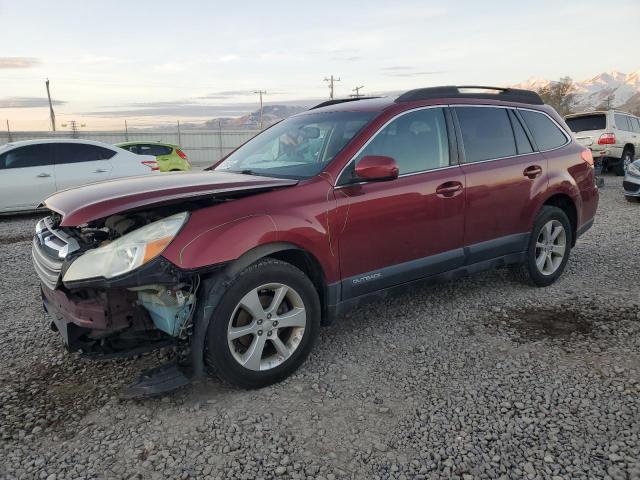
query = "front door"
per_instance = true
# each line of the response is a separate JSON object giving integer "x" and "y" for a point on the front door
{"x": 26, "y": 177}
{"x": 408, "y": 228}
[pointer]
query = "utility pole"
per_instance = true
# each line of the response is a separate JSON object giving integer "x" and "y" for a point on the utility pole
{"x": 331, "y": 81}
{"x": 126, "y": 131}
{"x": 260, "y": 92}
{"x": 8, "y": 131}
{"x": 53, "y": 115}
{"x": 357, "y": 90}
{"x": 220, "y": 138}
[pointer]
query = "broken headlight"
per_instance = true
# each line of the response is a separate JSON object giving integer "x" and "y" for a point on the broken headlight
{"x": 127, "y": 252}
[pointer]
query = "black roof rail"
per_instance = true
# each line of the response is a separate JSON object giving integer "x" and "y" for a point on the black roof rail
{"x": 340, "y": 100}
{"x": 494, "y": 93}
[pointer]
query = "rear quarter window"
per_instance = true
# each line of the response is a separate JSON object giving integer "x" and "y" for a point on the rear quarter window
{"x": 587, "y": 123}
{"x": 546, "y": 134}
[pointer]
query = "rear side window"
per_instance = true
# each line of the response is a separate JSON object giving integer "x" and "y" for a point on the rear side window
{"x": 486, "y": 133}
{"x": 635, "y": 124}
{"x": 587, "y": 123}
{"x": 622, "y": 122}
{"x": 416, "y": 140}
{"x": 155, "y": 150}
{"x": 546, "y": 134}
{"x": 80, "y": 152}
{"x": 27, "y": 156}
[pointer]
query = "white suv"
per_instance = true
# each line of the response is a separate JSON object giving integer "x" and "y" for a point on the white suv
{"x": 612, "y": 136}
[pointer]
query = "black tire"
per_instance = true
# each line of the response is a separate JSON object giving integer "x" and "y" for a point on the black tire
{"x": 528, "y": 272}
{"x": 627, "y": 158}
{"x": 632, "y": 199}
{"x": 218, "y": 356}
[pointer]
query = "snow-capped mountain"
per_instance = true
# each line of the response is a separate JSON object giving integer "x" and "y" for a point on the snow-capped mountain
{"x": 622, "y": 88}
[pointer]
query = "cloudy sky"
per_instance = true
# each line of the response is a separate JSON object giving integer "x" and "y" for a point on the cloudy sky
{"x": 158, "y": 61}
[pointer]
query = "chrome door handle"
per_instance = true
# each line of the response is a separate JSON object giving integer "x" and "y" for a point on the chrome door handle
{"x": 100, "y": 170}
{"x": 43, "y": 175}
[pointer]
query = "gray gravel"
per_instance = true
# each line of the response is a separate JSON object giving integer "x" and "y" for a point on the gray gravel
{"x": 480, "y": 378}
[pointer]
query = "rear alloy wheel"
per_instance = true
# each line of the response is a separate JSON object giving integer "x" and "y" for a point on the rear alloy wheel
{"x": 264, "y": 326}
{"x": 549, "y": 248}
{"x": 623, "y": 165}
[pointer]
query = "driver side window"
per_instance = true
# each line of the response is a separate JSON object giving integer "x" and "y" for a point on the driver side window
{"x": 417, "y": 141}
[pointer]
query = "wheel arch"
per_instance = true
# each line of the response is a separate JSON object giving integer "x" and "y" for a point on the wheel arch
{"x": 631, "y": 147}
{"x": 215, "y": 284}
{"x": 565, "y": 203}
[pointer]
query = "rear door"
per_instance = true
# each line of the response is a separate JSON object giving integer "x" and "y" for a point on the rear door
{"x": 26, "y": 177}
{"x": 503, "y": 174}
{"x": 80, "y": 163}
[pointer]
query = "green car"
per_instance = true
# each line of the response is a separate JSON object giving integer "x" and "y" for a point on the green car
{"x": 170, "y": 158}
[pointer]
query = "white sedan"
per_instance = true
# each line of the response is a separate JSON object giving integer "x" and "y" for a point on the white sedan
{"x": 32, "y": 170}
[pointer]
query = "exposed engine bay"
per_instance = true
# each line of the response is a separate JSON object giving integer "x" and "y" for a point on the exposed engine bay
{"x": 112, "y": 318}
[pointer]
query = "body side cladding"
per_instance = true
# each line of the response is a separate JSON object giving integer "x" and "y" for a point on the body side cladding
{"x": 584, "y": 227}
{"x": 451, "y": 260}
{"x": 355, "y": 302}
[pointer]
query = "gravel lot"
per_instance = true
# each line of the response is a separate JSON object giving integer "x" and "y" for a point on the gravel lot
{"x": 481, "y": 378}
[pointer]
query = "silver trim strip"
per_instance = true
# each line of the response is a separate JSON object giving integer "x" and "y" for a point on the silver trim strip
{"x": 567, "y": 136}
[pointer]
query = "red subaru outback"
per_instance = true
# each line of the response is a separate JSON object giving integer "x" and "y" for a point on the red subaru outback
{"x": 241, "y": 264}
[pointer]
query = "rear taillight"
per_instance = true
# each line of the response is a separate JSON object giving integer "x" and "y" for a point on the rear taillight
{"x": 152, "y": 164}
{"x": 587, "y": 156}
{"x": 607, "y": 139}
{"x": 181, "y": 154}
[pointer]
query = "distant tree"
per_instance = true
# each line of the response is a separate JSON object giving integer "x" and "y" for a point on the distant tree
{"x": 560, "y": 95}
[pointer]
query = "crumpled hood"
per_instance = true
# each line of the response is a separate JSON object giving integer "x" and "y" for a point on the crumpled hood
{"x": 98, "y": 200}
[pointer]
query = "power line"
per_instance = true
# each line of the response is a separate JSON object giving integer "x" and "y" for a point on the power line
{"x": 331, "y": 81}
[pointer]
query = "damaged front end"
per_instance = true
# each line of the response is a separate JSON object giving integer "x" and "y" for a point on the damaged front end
{"x": 109, "y": 292}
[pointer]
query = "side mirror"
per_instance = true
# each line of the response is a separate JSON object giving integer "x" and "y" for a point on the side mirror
{"x": 376, "y": 168}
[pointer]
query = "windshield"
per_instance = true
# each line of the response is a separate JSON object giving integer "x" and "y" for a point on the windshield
{"x": 585, "y": 123}
{"x": 298, "y": 147}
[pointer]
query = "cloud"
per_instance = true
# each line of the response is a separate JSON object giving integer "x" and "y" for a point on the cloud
{"x": 27, "y": 102}
{"x": 227, "y": 94}
{"x": 18, "y": 62}
{"x": 395, "y": 68}
{"x": 413, "y": 74}
{"x": 347, "y": 59}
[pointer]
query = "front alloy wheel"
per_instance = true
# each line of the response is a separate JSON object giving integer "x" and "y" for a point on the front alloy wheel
{"x": 266, "y": 327}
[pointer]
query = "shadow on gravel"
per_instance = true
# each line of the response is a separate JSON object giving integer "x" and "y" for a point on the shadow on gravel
{"x": 549, "y": 323}
{"x": 564, "y": 322}
{"x": 15, "y": 239}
